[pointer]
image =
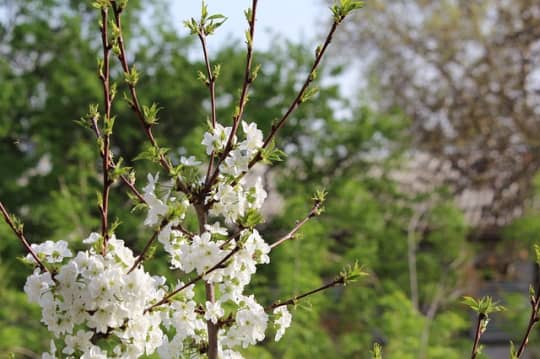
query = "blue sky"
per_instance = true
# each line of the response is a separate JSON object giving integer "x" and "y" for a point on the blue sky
{"x": 297, "y": 20}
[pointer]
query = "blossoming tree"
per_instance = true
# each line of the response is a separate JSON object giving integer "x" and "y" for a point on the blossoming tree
{"x": 100, "y": 302}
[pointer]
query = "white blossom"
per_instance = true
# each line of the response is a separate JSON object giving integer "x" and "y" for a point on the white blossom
{"x": 216, "y": 229}
{"x": 53, "y": 252}
{"x": 189, "y": 161}
{"x": 216, "y": 140}
{"x": 282, "y": 320}
{"x": 254, "y": 137}
{"x": 213, "y": 311}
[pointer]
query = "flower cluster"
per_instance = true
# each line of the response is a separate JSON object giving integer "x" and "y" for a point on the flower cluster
{"x": 92, "y": 299}
{"x": 106, "y": 306}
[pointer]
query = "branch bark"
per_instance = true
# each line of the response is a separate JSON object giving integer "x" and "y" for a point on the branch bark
{"x": 18, "y": 231}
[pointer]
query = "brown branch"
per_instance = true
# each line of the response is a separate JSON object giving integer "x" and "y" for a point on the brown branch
{"x": 104, "y": 75}
{"x": 340, "y": 280}
{"x": 315, "y": 211}
{"x": 182, "y": 229}
{"x": 533, "y": 319}
{"x": 141, "y": 257}
{"x": 211, "y": 78}
{"x": 477, "y": 335}
{"x": 18, "y": 231}
{"x": 298, "y": 100}
{"x": 212, "y": 329}
{"x": 212, "y": 88}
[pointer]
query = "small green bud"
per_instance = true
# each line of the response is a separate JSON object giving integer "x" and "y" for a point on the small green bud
{"x": 272, "y": 154}
{"x": 214, "y": 22}
{"x": 99, "y": 197}
{"x": 513, "y": 351}
{"x": 132, "y": 77}
{"x": 310, "y": 93}
{"x": 376, "y": 352}
{"x": 150, "y": 114}
{"x": 249, "y": 40}
{"x": 484, "y": 306}
{"x": 216, "y": 71}
{"x": 114, "y": 226}
{"x": 101, "y": 4}
{"x": 192, "y": 26}
{"x": 109, "y": 124}
{"x": 343, "y": 8}
{"x": 113, "y": 91}
{"x": 352, "y": 273}
{"x": 318, "y": 51}
{"x": 255, "y": 73}
{"x": 248, "y": 13}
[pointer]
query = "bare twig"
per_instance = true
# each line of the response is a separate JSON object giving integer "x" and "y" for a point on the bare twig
{"x": 141, "y": 257}
{"x": 477, "y": 335}
{"x": 533, "y": 319}
{"x": 184, "y": 230}
{"x": 340, "y": 280}
{"x": 315, "y": 211}
{"x": 212, "y": 88}
{"x": 298, "y": 100}
{"x": 18, "y": 231}
{"x": 210, "y": 75}
{"x": 104, "y": 75}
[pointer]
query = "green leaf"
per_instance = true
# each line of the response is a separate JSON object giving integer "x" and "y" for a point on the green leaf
{"x": 343, "y": 8}
{"x": 204, "y": 11}
{"x": 101, "y": 4}
{"x": 255, "y": 73}
{"x": 352, "y": 273}
{"x": 248, "y": 13}
{"x": 192, "y": 26}
{"x": 109, "y": 124}
{"x": 150, "y": 114}
{"x": 252, "y": 218}
{"x": 513, "y": 351}
{"x": 319, "y": 196}
{"x": 132, "y": 77}
{"x": 216, "y": 71}
{"x": 120, "y": 170}
{"x": 376, "y": 352}
{"x": 309, "y": 94}
{"x": 484, "y": 306}
{"x": 114, "y": 226}
{"x": 152, "y": 153}
{"x": 213, "y": 25}
{"x": 272, "y": 154}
